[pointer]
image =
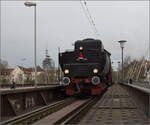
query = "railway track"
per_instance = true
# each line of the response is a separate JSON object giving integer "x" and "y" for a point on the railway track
{"x": 31, "y": 117}
{"x": 115, "y": 107}
{"x": 74, "y": 116}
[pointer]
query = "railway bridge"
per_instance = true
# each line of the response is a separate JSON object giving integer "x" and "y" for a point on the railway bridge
{"x": 121, "y": 103}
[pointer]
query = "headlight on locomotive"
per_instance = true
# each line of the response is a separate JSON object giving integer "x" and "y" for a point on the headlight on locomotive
{"x": 95, "y": 70}
{"x": 66, "y": 71}
{"x": 81, "y": 48}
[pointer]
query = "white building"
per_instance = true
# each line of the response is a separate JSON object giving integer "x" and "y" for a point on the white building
{"x": 20, "y": 74}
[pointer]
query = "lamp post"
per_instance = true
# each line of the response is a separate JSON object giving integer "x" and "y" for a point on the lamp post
{"x": 118, "y": 70}
{"x": 30, "y": 4}
{"x": 0, "y": 51}
{"x": 122, "y": 42}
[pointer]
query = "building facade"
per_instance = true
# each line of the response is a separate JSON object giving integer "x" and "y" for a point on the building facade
{"x": 20, "y": 74}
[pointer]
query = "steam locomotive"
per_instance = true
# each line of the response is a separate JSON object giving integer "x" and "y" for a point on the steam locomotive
{"x": 87, "y": 69}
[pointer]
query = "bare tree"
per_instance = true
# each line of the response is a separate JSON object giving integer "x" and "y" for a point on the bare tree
{"x": 3, "y": 66}
{"x": 134, "y": 69}
{"x": 127, "y": 61}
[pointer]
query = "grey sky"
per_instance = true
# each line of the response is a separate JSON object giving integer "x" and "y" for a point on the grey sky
{"x": 61, "y": 23}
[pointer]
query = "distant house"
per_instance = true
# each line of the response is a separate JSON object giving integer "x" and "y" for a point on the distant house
{"x": 5, "y": 75}
{"x": 39, "y": 71}
{"x": 20, "y": 74}
{"x": 7, "y": 72}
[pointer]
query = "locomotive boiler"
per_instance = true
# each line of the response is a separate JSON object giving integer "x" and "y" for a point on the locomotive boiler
{"x": 86, "y": 69}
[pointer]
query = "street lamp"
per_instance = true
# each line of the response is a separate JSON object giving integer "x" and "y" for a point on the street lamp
{"x": 0, "y": 51}
{"x": 118, "y": 70}
{"x": 30, "y": 4}
{"x": 122, "y": 42}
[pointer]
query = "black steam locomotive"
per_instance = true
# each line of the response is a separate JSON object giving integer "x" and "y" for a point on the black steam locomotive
{"x": 87, "y": 69}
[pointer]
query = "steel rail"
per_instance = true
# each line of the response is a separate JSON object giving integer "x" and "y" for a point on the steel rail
{"x": 73, "y": 116}
{"x": 35, "y": 115}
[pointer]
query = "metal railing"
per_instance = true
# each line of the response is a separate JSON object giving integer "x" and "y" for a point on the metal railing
{"x": 6, "y": 85}
{"x": 15, "y": 102}
{"x": 141, "y": 96}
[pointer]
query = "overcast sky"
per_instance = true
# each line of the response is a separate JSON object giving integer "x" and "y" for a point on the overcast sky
{"x": 61, "y": 23}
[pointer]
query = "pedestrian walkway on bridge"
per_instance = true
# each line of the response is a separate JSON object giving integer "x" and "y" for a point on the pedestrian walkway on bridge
{"x": 28, "y": 88}
{"x": 117, "y": 108}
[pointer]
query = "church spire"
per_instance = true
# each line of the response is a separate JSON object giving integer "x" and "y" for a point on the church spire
{"x": 46, "y": 54}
